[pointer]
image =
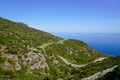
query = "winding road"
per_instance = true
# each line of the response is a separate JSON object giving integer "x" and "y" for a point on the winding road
{"x": 80, "y": 65}
{"x": 73, "y": 65}
{"x": 65, "y": 61}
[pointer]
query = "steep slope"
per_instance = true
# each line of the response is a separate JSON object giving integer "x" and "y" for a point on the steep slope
{"x": 114, "y": 75}
{"x": 30, "y": 54}
{"x": 74, "y": 51}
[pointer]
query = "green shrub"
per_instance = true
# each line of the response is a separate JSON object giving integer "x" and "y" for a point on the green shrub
{"x": 2, "y": 59}
{"x": 12, "y": 61}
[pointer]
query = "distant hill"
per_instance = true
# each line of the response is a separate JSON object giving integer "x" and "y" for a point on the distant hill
{"x": 30, "y": 54}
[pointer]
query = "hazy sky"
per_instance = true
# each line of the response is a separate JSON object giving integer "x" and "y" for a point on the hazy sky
{"x": 83, "y": 16}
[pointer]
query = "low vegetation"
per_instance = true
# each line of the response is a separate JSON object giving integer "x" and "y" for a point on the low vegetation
{"x": 114, "y": 75}
{"x": 30, "y": 54}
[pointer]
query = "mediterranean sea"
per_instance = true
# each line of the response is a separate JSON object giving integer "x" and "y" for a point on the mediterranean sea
{"x": 106, "y": 43}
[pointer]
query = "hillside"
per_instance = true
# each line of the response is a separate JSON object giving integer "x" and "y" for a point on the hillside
{"x": 30, "y": 54}
{"x": 114, "y": 75}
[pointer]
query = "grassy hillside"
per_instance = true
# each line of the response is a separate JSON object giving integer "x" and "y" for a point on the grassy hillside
{"x": 19, "y": 35}
{"x": 30, "y": 54}
{"x": 74, "y": 51}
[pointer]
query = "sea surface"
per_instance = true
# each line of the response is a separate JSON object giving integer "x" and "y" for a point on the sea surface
{"x": 106, "y": 43}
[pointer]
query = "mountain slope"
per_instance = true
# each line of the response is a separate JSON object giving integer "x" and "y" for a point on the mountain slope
{"x": 114, "y": 75}
{"x": 30, "y": 54}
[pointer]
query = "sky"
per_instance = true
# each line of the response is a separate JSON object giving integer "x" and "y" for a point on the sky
{"x": 77, "y": 16}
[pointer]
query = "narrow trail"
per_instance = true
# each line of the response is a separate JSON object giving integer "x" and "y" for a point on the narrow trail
{"x": 47, "y": 44}
{"x": 80, "y": 65}
{"x": 44, "y": 45}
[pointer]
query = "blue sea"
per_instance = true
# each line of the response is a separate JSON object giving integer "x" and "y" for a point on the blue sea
{"x": 106, "y": 43}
